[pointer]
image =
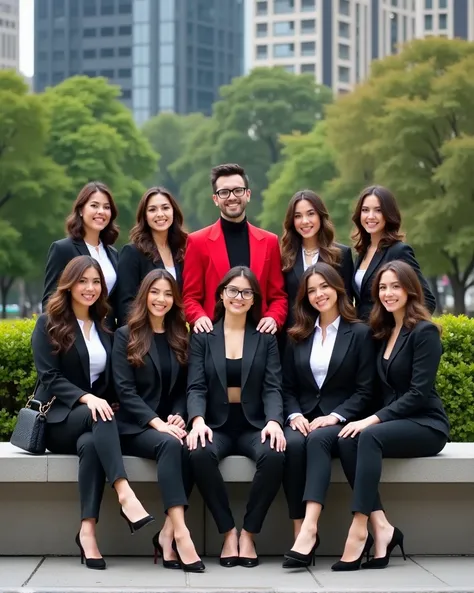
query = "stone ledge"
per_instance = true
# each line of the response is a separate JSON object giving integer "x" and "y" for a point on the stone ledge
{"x": 453, "y": 465}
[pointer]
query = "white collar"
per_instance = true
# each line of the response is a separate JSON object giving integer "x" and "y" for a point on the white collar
{"x": 334, "y": 324}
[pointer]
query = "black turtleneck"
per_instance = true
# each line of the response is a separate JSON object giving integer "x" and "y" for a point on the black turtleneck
{"x": 236, "y": 235}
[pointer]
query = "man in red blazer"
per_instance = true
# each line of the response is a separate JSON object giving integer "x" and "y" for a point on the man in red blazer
{"x": 232, "y": 241}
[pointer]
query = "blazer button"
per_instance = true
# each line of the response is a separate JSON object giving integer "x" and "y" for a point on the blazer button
{"x": 226, "y": 402}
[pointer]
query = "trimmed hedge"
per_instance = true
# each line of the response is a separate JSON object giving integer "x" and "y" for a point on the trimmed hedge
{"x": 455, "y": 376}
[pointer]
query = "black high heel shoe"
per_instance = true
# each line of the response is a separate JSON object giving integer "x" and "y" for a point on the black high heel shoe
{"x": 138, "y": 524}
{"x": 229, "y": 561}
{"x": 295, "y": 559}
{"x": 173, "y": 564}
{"x": 197, "y": 566}
{"x": 397, "y": 540}
{"x": 341, "y": 566}
{"x": 249, "y": 562}
{"x": 94, "y": 563}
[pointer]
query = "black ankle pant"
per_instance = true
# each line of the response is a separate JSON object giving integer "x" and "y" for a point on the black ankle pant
{"x": 362, "y": 456}
{"x": 172, "y": 463}
{"x": 98, "y": 446}
{"x": 308, "y": 467}
{"x": 237, "y": 437}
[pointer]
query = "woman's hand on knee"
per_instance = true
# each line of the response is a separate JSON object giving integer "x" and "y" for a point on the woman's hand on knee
{"x": 300, "y": 423}
{"x": 97, "y": 405}
{"x": 323, "y": 421}
{"x": 354, "y": 428}
{"x": 177, "y": 420}
{"x": 199, "y": 432}
{"x": 275, "y": 433}
{"x": 172, "y": 429}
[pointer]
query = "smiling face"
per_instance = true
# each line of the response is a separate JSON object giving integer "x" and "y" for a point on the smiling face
{"x": 87, "y": 290}
{"x": 160, "y": 298}
{"x": 306, "y": 219}
{"x": 371, "y": 217}
{"x": 96, "y": 212}
{"x": 391, "y": 293}
{"x": 238, "y": 296}
{"x": 232, "y": 206}
{"x": 321, "y": 295}
{"x": 159, "y": 213}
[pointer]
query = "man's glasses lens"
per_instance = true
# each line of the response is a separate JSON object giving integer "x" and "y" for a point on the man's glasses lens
{"x": 225, "y": 193}
{"x": 232, "y": 292}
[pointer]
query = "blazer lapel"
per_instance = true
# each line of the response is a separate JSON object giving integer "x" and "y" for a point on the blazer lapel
{"x": 218, "y": 250}
{"x": 80, "y": 345}
{"x": 112, "y": 255}
{"x": 217, "y": 348}
{"x": 153, "y": 352}
{"x": 81, "y": 246}
{"x": 380, "y": 369}
{"x": 355, "y": 288}
{"x": 106, "y": 340}
{"x": 251, "y": 339}
{"x": 258, "y": 251}
{"x": 374, "y": 264}
{"x": 174, "y": 369}
{"x": 402, "y": 336}
{"x": 343, "y": 340}
{"x": 298, "y": 268}
{"x": 304, "y": 352}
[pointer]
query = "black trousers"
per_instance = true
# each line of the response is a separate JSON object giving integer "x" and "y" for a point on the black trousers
{"x": 172, "y": 463}
{"x": 362, "y": 456}
{"x": 308, "y": 467}
{"x": 237, "y": 437}
{"x": 98, "y": 446}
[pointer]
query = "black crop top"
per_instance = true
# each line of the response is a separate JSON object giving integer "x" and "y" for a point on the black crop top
{"x": 234, "y": 372}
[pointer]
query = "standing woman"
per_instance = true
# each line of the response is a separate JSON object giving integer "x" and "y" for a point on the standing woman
{"x": 235, "y": 407}
{"x": 308, "y": 237}
{"x": 378, "y": 240}
{"x": 412, "y": 421}
{"x": 91, "y": 230}
{"x": 157, "y": 241}
{"x": 327, "y": 379}
{"x": 72, "y": 354}
{"x": 149, "y": 367}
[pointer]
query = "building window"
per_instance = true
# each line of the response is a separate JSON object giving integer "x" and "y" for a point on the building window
{"x": 167, "y": 76}
{"x": 58, "y": 55}
{"x": 89, "y": 8}
{"x": 73, "y": 54}
{"x": 344, "y": 74}
{"x": 141, "y": 76}
{"x": 262, "y": 29}
{"x": 125, "y": 73}
{"x": 167, "y": 98}
{"x": 58, "y": 34}
{"x": 107, "y": 73}
{"x": 443, "y": 3}
{"x": 443, "y": 21}
{"x": 344, "y": 30}
{"x": 307, "y": 5}
{"x": 343, "y": 51}
{"x": 142, "y": 33}
{"x": 167, "y": 10}
{"x": 42, "y": 55}
{"x": 124, "y": 52}
{"x": 428, "y": 22}
{"x": 344, "y": 7}
{"x": 141, "y": 55}
{"x": 141, "y": 12}
{"x": 89, "y": 54}
{"x": 283, "y": 50}
{"x": 90, "y": 73}
{"x": 428, "y": 4}
{"x": 308, "y": 26}
{"x": 141, "y": 99}
{"x": 308, "y": 48}
{"x": 262, "y": 8}
{"x": 167, "y": 33}
{"x": 284, "y": 28}
{"x": 290, "y": 68}
{"x": 107, "y": 7}
{"x": 262, "y": 52}
{"x": 58, "y": 8}
{"x": 125, "y": 30}
{"x": 107, "y": 32}
{"x": 107, "y": 52}
{"x": 166, "y": 54}
{"x": 125, "y": 7}
{"x": 126, "y": 94}
{"x": 308, "y": 68}
{"x": 283, "y": 6}
{"x": 58, "y": 77}
{"x": 90, "y": 32}
{"x": 42, "y": 6}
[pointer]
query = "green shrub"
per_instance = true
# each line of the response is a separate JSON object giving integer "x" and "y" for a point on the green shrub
{"x": 455, "y": 377}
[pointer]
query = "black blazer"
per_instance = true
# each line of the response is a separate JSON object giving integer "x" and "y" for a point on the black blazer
{"x": 133, "y": 266}
{"x": 139, "y": 389}
{"x": 60, "y": 254}
{"x": 293, "y": 277}
{"x": 398, "y": 250}
{"x": 67, "y": 375}
{"x": 348, "y": 387}
{"x": 408, "y": 386}
{"x": 261, "y": 378}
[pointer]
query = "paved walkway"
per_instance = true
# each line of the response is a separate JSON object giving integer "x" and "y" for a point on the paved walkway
{"x": 422, "y": 574}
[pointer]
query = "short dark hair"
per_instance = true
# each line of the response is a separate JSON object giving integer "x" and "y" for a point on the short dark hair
{"x": 227, "y": 170}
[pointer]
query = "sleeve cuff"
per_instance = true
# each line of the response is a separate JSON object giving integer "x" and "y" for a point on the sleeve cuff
{"x": 291, "y": 416}
{"x": 338, "y": 416}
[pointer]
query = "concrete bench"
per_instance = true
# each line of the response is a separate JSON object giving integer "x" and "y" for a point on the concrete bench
{"x": 430, "y": 499}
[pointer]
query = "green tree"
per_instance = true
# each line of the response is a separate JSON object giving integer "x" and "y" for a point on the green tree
{"x": 411, "y": 127}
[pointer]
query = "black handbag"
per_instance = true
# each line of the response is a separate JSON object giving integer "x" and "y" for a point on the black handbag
{"x": 29, "y": 433}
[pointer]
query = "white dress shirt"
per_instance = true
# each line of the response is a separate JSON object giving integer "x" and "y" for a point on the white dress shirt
{"x": 320, "y": 357}
{"x": 313, "y": 261}
{"x": 100, "y": 255}
{"x": 171, "y": 270}
{"x": 97, "y": 353}
{"x": 359, "y": 276}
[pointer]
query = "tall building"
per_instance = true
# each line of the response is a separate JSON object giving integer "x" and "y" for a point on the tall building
{"x": 9, "y": 34}
{"x": 166, "y": 55}
{"x": 337, "y": 39}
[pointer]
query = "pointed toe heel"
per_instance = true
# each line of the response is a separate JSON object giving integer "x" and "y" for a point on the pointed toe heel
{"x": 137, "y": 525}
{"x": 229, "y": 561}
{"x": 297, "y": 560}
{"x": 171, "y": 564}
{"x": 197, "y": 566}
{"x": 341, "y": 566}
{"x": 93, "y": 563}
{"x": 378, "y": 563}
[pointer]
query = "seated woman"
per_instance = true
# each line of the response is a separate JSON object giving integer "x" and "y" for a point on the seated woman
{"x": 412, "y": 421}
{"x": 327, "y": 379}
{"x": 235, "y": 407}
{"x": 72, "y": 354}
{"x": 149, "y": 367}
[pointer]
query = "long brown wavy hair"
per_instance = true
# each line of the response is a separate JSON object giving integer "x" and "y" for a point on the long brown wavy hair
{"x": 382, "y": 321}
{"x": 391, "y": 213}
{"x": 141, "y": 331}
{"x": 74, "y": 223}
{"x": 255, "y": 312}
{"x": 305, "y": 314}
{"x": 291, "y": 240}
{"x": 141, "y": 234}
{"x": 61, "y": 322}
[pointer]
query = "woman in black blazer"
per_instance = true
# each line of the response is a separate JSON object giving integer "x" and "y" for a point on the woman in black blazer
{"x": 378, "y": 240}
{"x": 157, "y": 241}
{"x": 149, "y": 367}
{"x": 412, "y": 421}
{"x": 72, "y": 354}
{"x": 91, "y": 230}
{"x": 235, "y": 407}
{"x": 308, "y": 237}
{"x": 327, "y": 380}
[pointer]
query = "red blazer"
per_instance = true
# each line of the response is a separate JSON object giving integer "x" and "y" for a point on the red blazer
{"x": 206, "y": 262}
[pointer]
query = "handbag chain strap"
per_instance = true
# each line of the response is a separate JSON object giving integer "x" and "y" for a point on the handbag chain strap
{"x": 43, "y": 408}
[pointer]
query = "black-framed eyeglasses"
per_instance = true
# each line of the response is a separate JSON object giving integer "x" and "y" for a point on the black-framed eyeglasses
{"x": 233, "y": 291}
{"x": 238, "y": 192}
